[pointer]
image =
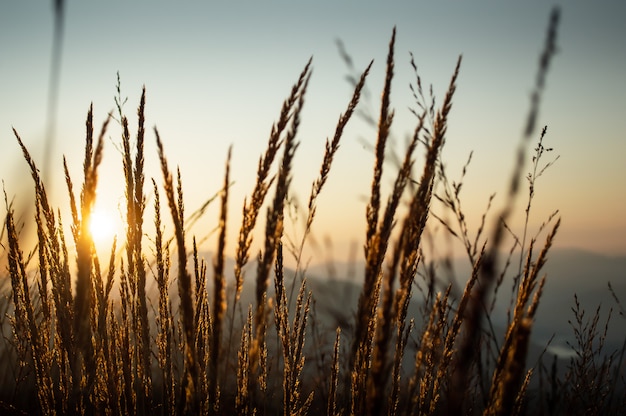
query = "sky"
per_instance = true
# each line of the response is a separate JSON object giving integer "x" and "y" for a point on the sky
{"x": 216, "y": 74}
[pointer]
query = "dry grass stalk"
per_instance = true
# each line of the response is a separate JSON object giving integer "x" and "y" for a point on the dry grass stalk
{"x": 135, "y": 205}
{"x": 292, "y": 341}
{"x": 163, "y": 320}
{"x": 219, "y": 290}
{"x": 329, "y": 153}
{"x": 402, "y": 336}
{"x": 331, "y": 410}
{"x": 106, "y": 338}
{"x": 505, "y": 388}
{"x": 203, "y": 328}
{"x": 369, "y": 297}
{"x": 386, "y": 311}
{"x": 24, "y": 324}
{"x": 243, "y": 401}
{"x": 424, "y": 385}
{"x": 332, "y": 147}
{"x": 521, "y": 399}
{"x": 129, "y": 398}
{"x": 589, "y": 381}
{"x": 550, "y": 49}
{"x": 488, "y": 269}
{"x": 273, "y": 233}
{"x": 385, "y": 228}
{"x": 451, "y": 200}
{"x": 189, "y": 398}
{"x": 407, "y": 250}
{"x": 251, "y": 209}
{"x": 85, "y": 248}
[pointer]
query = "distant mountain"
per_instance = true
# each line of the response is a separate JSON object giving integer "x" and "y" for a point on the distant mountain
{"x": 587, "y": 275}
{"x": 569, "y": 272}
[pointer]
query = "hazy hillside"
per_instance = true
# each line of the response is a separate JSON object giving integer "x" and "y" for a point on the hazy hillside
{"x": 587, "y": 275}
{"x": 569, "y": 272}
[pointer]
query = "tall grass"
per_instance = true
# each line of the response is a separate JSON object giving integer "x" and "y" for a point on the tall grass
{"x": 87, "y": 339}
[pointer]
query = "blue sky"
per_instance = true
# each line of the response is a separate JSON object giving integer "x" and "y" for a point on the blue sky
{"x": 216, "y": 75}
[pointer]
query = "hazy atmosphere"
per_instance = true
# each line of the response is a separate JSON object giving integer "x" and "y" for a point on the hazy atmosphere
{"x": 297, "y": 208}
{"x": 216, "y": 75}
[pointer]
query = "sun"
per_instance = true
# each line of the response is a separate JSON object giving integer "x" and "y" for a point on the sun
{"x": 102, "y": 226}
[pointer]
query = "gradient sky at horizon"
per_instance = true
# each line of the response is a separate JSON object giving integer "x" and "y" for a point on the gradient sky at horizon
{"x": 216, "y": 75}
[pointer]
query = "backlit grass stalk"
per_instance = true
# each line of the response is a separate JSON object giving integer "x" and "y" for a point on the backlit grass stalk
{"x": 468, "y": 348}
{"x": 452, "y": 200}
{"x": 25, "y": 324}
{"x": 329, "y": 153}
{"x": 403, "y": 331}
{"x": 38, "y": 334}
{"x": 252, "y": 207}
{"x": 84, "y": 380}
{"x": 189, "y": 399}
{"x": 135, "y": 205}
{"x": 104, "y": 341}
{"x": 425, "y": 394}
{"x": 415, "y": 220}
{"x": 126, "y": 351}
{"x": 374, "y": 254}
{"x": 219, "y": 293}
{"x": 243, "y": 401}
{"x": 386, "y": 312}
{"x": 509, "y": 371}
{"x": 537, "y": 171}
{"x": 292, "y": 341}
{"x": 164, "y": 320}
{"x": 204, "y": 327}
{"x": 274, "y": 231}
{"x": 589, "y": 380}
{"x": 334, "y": 377}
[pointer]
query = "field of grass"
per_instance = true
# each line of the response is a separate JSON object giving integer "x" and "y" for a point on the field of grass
{"x": 85, "y": 335}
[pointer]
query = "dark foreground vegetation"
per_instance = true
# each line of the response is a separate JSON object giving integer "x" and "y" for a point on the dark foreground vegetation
{"x": 86, "y": 336}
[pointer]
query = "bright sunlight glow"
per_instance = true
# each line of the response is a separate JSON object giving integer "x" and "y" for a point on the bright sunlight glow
{"x": 101, "y": 226}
